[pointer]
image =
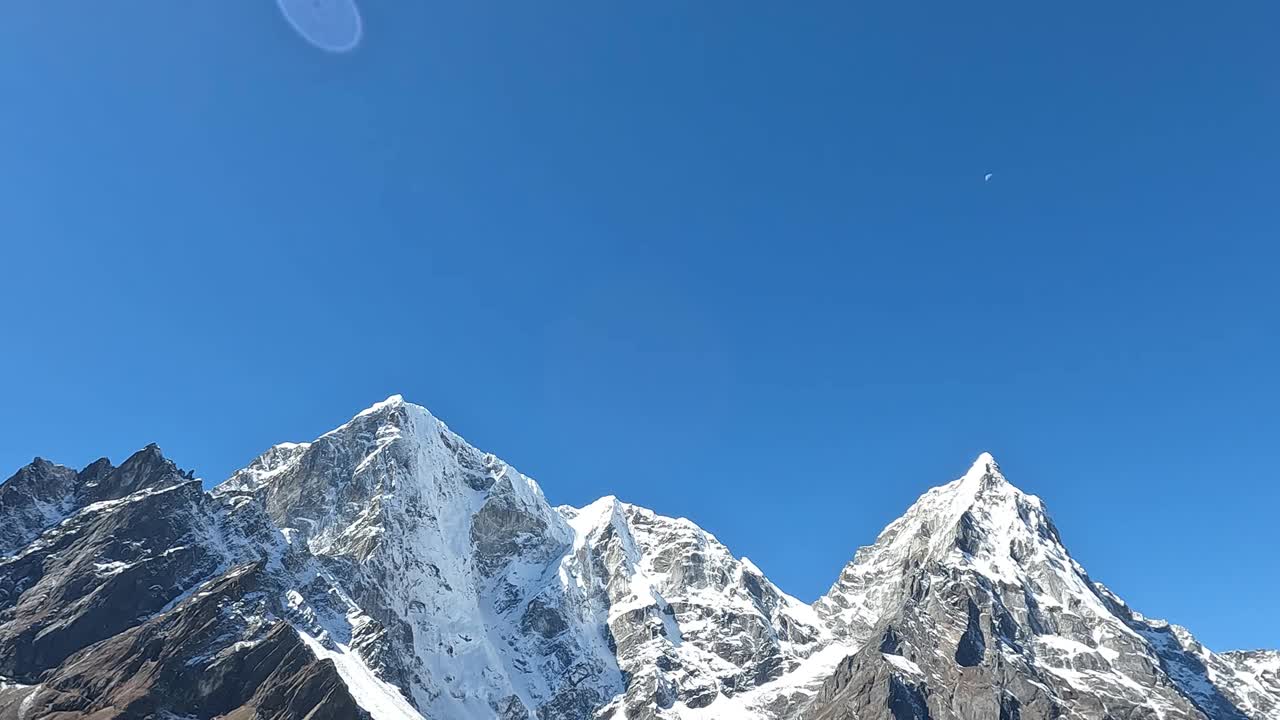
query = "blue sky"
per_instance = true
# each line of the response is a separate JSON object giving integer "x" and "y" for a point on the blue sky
{"x": 732, "y": 261}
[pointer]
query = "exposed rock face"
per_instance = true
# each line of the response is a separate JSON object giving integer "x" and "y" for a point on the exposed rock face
{"x": 248, "y": 667}
{"x": 471, "y": 593}
{"x": 1257, "y": 669}
{"x": 42, "y": 494}
{"x": 689, "y": 621}
{"x": 133, "y": 539}
{"x": 969, "y": 606}
{"x": 36, "y": 497}
{"x": 390, "y": 570}
{"x": 439, "y": 552}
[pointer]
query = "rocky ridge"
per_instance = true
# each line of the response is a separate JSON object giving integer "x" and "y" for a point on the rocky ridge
{"x": 388, "y": 569}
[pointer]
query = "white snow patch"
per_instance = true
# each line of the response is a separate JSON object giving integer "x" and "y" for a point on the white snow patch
{"x": 902, "y": 664}
{"x": 379, "y": 698}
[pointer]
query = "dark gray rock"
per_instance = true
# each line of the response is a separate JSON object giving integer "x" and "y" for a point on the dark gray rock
{"x": 197, "y": 659}
{"x": 105, "y": 569}
{"x": 35, "y": 498}
{"x": 395, "y": 548}
{"x": 979, "y": 612}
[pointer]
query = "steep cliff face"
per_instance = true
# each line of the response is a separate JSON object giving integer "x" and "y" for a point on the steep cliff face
{"x": 43, "y": 494}
{"x": 969, "y": 606}
{"x": 36, "y": 497}
{"x": 689, "y": 622}
{"x": 124, "y": 543}
{"x": 390, "y": 570}
{"x": 249, "y": 666}
{"x": 444, "y": 558}
{"x": 1257, "y": 670}
{"x": 467, "y": 591}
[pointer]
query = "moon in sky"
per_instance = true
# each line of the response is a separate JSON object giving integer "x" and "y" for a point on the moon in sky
{"x": 332, "y": 25}
{"x": 987, "y": 177}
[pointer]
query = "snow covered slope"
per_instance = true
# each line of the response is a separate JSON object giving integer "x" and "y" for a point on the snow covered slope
{"x": 689, "y": 622}
{"x": 390, "y": 566}
{"x": 970, "y": 606}
{"x": 446, "y": 563}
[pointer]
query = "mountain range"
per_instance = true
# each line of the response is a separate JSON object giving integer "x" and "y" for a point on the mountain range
{"x": 390, "y": 570}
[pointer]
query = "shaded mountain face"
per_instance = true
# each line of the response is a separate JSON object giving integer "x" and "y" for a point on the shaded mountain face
{"x": 969, "y": 606}
{"x": 249, "y": 666}
{"x": 390, "y": 570}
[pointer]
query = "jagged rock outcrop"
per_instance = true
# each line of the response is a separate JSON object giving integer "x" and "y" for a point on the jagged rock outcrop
{"x": 36, "y": 497}
{"x": 1257, "y": 669}
{"x": 390, "y": 570}
{"x": 126, "y": 542}
{"x": 689, "y": 622}
{"x": 248, "y": 666}
{"x": 969, "y": 606}
{"x": 439, "y": 552}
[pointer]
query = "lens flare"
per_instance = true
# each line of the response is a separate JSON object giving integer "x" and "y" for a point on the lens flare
{"x": 331, "y": 25}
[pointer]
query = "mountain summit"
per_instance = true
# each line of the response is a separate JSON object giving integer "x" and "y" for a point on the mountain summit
{"x": 390, "y": 570}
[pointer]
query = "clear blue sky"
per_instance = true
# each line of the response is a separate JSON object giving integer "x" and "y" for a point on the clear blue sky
{"x": 733, "y": 261}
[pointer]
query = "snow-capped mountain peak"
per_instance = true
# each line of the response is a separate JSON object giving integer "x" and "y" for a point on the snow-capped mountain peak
{"x": 535, "y": 606}
{"x": 979, "y": 521}
{"x": 973, "y": 589}
{"x": 391, "y": 570}
{"x": 983, "y": 465}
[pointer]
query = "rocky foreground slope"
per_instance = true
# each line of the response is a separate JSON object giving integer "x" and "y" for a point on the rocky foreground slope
{"x": 390, "y": 570}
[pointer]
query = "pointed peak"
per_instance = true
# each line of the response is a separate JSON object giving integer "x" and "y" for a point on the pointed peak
{"x": 588, "y": 518}
{"x": 983, "y": 473}
{"x": 98, "y": 465}
{"x": 38, "y": 471}
{"x": 394, "y": 401}
{"x": 149, "y": 454}
{"x": 599, "y": 505}
{"x": 393, "y": 408}
{"x": 96, "y": 471}
{"x": 607, "y": 505}
{"x": 147, "y": 468}
{"x": 984, "y": 464}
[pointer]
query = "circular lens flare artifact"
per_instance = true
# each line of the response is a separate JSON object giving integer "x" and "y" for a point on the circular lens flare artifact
{"x": 331, "y": 25}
